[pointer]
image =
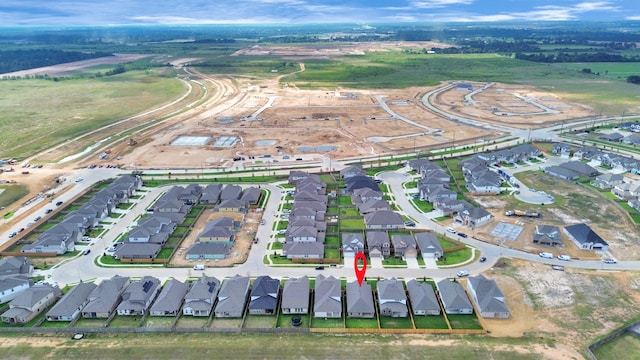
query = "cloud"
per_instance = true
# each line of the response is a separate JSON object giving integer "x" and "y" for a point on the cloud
{"x": 435, "y": 4}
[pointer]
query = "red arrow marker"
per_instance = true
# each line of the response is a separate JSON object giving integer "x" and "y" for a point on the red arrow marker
{"x": 360, "y": 272}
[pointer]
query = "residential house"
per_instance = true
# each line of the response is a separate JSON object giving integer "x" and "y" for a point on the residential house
{"x": 473, "y": 217}
{"x": 383, "y": 220}
{"x": 231, "y": 192}
{"x": 360, "y": 300}
{"x": 372, "y": 205}
{"x": 351, "y": 171}
{"x": 191, "y": 194}
{"x": 251, "y": 196}
{"x": 634, "y": 204}
{"x": 327, "y": 300}
{"x": 211, "y": 194}
{"x": 31, "y": 302}
{"x": 71, "y": 304}
{"x": 59, "y": 239}
{"x": 429, "y": 245}
{"x": 11, "y": 286}
{"x": 170, "y": 299}
{"x": 214, "y": 232}
{"x": 562, "y": 150}
{"x": 448, "y": 207}
{"x": 133, "y": 251}
{"x": 208, "y": 251}
{"x": 561, "y": 172}
{"x": 580, "y": 168}
{"x": 352, "y": 243}
{"x": 360, "y": 182}
{"x": 404, "y": 246}
{"x": 392, "y": 298}
{"x": 607, "y": 181}
{"x": 231, "y": 205}
{"x": 295, "y": 296}
{"x": 488, "y": 298}
{"x": 433, "y": 194}
{"x": 548, "y": 235}
{"x": 416, "y": 164}
{"x": 138, "y": 296}
{"x": 201, "y": 295}
{"x": 15, "y": 265}
{"x": 303, "y": 250}
{"x": 365, "y": 194}
{"x": 423, "y": 298}
{"x": 378, "y": 244}
{"x": 105, "y": 297}
{"x": 232, "y": 297}
{"x": 585, "y": 238}
{"x": 264, "y": 296}
{"x": 626, "y": 191}
{"x": 631, "y": 139}
{"x": 454, "y": 298}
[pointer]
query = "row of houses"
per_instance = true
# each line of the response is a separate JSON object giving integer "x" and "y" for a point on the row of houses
{"x": 433, "y": 187}
{"x": 580, "y": 234}
{"x": 377, "y": 244}
{"x": 232, "y": 297}
{"x": 63, "y": 236}
{"x": 306, "y": 231}
{"x": 145, "y": 240}
{"x": 15, "y": 272}
{"x": 597, "y": 157}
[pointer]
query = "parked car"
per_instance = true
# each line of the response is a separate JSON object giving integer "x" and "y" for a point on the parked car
{"x": 319, "y": 267}
{"x": 409, "y": 223}
{"x": 483, "y": 259}
{"x": 546, "y": 255}
{"x": 48, "y": 211}
{"x": 59, "y": 203}
{"x": 199, "y": 267}
{"x": 557, "y": 267}
{"x": 610, "y": 261}
{"x": 37, "y": 218}
{"x": 564, "y": 257}
{"x": 20, "y": 230}
{"x": 13, "y": 234}
{"x": 86, "y": 252}
{"x": 451, "y": 230}
{"x": 462, "y": 273}
{"x": 463, "y": 235}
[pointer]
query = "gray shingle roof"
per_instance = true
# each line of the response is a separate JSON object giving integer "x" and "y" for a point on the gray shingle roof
{"x": 72, "y": 300}
{"x": 170, "y": 298}
{"x": 359, "y": 298}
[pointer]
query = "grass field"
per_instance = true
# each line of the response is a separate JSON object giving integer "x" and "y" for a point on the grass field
{"x": 625, "y": 347}
{"x": 72, "y": 107}
{"x": 270, "y": 346}
{"x": 11, "y": 193}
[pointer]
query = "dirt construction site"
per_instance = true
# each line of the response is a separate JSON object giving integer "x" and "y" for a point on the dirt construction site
{"x": 270, "y": 117}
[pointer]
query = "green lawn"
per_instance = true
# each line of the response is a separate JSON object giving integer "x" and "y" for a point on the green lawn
{"x": 351, "y": 223}
{"x": 350, "y": 211}
{"x": 430, "y": 322}
{"x": 359, "y": 323}
{"x": 327, "y": 323}
{"x": 284, "y": 321}
{"x": 464, "y": 322}
{"x": 260, "y": 321}
{"x": 332, "y": 240}
{"x": 121, "y": 321}
{"x": 624, "y": 347}
{"x": 10, "y": 194}
{"x": 455, "y": 257}
{"x": 387, "y": 322}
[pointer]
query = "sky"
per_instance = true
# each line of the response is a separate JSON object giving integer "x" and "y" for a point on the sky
{"x": 117, "y": 12}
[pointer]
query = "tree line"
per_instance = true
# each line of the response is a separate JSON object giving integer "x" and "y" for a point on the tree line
{"x": 16, "y": 60}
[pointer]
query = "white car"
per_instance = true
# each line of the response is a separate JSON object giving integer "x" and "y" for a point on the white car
{"x": 451, "y": 230}
{"x": 610, "y": 261}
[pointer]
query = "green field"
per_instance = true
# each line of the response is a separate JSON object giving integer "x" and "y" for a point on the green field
{"x": 625, "y": 347}
{"x": 72, "y": 107}
{"x": 11, "y": 193}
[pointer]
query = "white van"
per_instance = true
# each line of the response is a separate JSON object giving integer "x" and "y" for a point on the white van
{"x": 199, "y": 267}
{"x": 564, "y": 257}
{"x": 546, "y": 255}
{"x": 462, "y": 273}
